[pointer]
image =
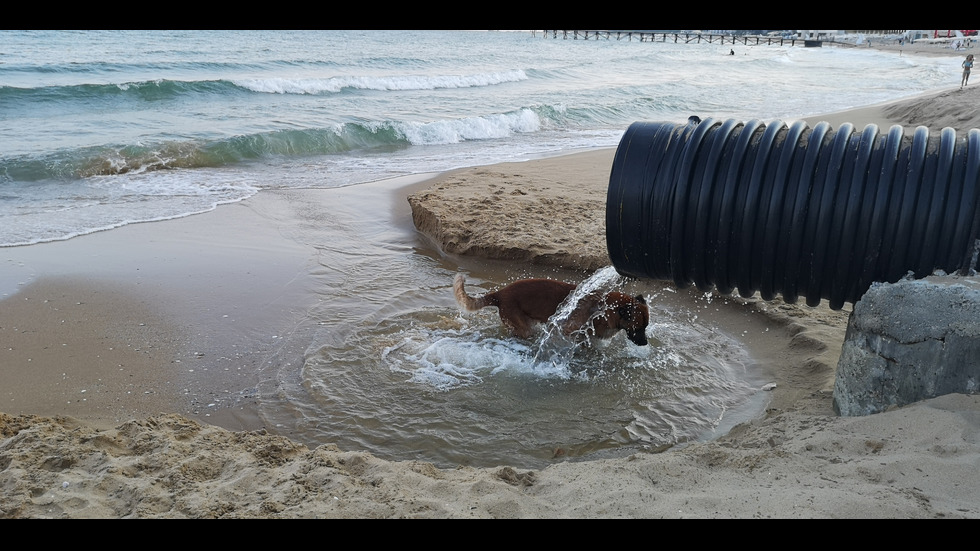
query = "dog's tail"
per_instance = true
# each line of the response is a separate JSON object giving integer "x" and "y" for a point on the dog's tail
{"x": 468, "y": 303}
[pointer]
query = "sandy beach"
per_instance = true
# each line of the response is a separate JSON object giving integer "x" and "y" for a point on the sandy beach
{"x": 106, "y": 398}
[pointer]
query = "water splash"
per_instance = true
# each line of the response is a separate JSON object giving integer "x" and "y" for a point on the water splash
{"x": 555, "y": 346}
{"x": 442, "y": 353}
{"x": 604, "y": 278}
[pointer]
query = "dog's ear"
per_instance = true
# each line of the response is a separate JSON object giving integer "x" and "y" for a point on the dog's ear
{"x": 640, "y": 299}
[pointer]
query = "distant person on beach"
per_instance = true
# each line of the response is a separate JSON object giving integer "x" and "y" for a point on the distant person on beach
{"x": 967, "y": 65}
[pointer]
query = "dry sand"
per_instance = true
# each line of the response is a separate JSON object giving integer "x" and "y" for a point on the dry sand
{"x": 88, "y": 459}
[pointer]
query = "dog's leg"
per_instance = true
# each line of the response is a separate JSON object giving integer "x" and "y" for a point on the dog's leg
{"x": 515, "y": 320}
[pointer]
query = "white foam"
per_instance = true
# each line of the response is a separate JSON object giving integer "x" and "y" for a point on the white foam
{"x": 471, "y": 128}
{"x": 106, "y": 202}
{"x": 383, "y": 83}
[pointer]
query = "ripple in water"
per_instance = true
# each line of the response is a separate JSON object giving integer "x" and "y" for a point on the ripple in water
{"x": 456, "y": 389}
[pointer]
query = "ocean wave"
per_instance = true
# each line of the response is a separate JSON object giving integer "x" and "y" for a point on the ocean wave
{"x": 149, "y": 90}
{"x": 382, "y": 83}
{"x": 160, "y": 89}
{"x": 471, "y": 128}
{"x": 340, "y": 138}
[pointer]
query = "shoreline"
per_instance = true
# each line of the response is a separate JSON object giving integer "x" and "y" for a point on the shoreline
{"x": 191, "y": 337}
{"x": 142, "y": 434}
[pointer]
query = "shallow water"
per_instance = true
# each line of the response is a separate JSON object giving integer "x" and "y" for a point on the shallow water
{"x": 390, "y": 365}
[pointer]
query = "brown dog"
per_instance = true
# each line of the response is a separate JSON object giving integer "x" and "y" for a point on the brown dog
{"x": 528, "y": 301}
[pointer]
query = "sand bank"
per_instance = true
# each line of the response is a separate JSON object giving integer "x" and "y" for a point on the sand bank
{"x": 796, "y": 461}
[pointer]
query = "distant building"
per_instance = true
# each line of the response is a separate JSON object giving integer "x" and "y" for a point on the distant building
{"x": 819, "y": 35}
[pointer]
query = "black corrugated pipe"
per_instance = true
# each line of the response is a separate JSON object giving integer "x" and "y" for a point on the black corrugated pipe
{"x": 792, "y": 210}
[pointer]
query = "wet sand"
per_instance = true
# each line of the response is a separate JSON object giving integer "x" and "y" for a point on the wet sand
{"x": 107, "y": 411}
{"x": 178, "y": 316}
{"x": 153, "y": 304}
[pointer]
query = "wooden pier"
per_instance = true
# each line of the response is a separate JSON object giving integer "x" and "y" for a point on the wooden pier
{"x": 677, "y": 37}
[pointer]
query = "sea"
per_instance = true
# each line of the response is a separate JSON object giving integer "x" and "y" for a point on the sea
{"x": 103, "y": 129}
{"x": 106, "y": 128}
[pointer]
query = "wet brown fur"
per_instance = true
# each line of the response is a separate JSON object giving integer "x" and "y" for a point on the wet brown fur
{"x": 526, "y": 302}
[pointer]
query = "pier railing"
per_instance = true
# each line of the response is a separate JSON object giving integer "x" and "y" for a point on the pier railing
{"x": 679, "y": 37}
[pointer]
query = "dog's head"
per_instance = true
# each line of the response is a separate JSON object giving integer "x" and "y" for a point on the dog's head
{"x": 634, "y": 316}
